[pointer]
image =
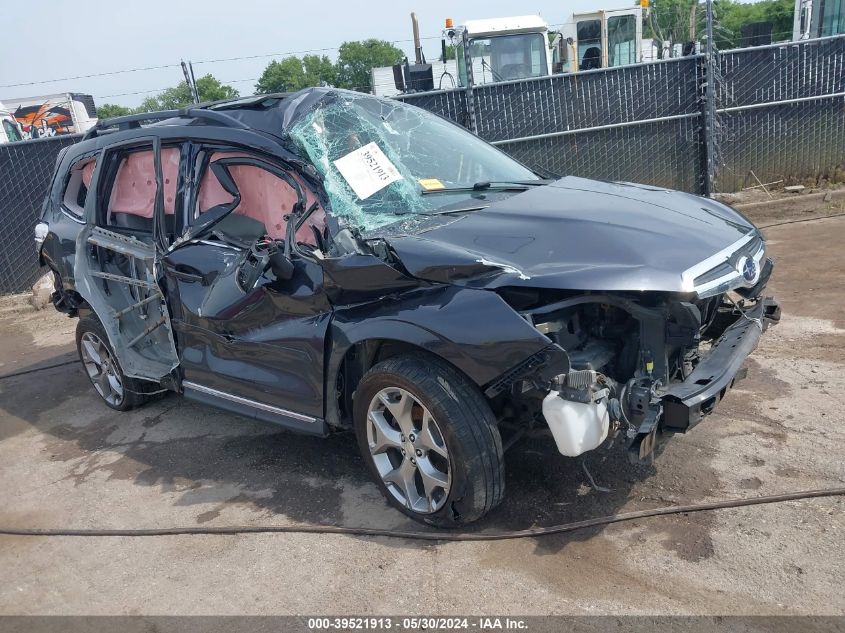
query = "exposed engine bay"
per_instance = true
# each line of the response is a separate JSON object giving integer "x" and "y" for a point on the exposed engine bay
{"x": 634, "y": 365}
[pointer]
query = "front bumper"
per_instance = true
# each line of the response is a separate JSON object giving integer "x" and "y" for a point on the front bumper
{"x": 687, "y": 402}
{"x": 680, "y": 406}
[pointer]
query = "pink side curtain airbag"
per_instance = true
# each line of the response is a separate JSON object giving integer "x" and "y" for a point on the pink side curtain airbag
{"x": 264, "y": 197}
{"x": 88, "y": 171}
{"x": 135, "y": 186}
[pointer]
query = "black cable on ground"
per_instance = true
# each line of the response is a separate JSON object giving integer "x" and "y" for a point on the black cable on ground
{"x": 431, "y": 536}
{"x": 799, "y": 221}
{"x": 35, "y": 369}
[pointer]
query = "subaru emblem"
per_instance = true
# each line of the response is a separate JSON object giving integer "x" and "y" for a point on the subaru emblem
{"x": 749, "y": 269}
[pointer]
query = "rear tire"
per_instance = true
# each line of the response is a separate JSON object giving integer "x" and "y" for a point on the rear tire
{"x": 430, "y": 440}
{"x": 104, "y": 371}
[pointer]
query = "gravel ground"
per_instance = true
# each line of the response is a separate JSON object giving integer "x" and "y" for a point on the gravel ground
{"x": 68, "y": 461}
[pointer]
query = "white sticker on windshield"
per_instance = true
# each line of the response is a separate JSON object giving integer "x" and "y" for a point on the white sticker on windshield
{"x": 367, "y": 170}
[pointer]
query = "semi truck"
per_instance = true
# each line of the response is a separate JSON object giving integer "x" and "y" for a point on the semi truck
{"x": 521, "y": 47}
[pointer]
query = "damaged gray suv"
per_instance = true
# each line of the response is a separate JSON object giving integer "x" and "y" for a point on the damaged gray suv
{"x": 333, "y": 261}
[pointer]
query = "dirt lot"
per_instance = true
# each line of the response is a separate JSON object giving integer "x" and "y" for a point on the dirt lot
{"x": 67, "y": 460}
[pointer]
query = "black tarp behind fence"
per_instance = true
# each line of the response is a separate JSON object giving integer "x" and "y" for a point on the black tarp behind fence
{"x": 26, "y": 169}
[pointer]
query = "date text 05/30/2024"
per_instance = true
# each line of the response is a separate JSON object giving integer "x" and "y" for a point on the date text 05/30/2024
{"x": 417, "y": 623}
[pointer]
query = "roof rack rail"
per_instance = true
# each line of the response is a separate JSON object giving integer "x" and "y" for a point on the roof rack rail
{"x": 241, "y": 102}
{"x": 133, "y": 121}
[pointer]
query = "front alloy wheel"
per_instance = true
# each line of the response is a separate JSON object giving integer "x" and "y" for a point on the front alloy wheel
{"x": 430, "y": 440}
{"x": 408, "y": 450}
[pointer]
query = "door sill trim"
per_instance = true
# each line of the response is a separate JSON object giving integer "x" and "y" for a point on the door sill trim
{"x": 248, "y": 403}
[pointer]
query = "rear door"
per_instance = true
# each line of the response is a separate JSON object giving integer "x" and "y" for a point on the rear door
{"x": 246, "y": 337}
{"x": 128, "y": 220}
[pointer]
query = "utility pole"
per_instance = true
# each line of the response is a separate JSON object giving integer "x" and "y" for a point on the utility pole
{"x": 188, "y": 71}
{"x": 710, "y": 107}
{"x": 473, "y": 124}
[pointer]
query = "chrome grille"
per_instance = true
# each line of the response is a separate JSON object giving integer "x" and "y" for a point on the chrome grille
{"x": 723, "y": 271}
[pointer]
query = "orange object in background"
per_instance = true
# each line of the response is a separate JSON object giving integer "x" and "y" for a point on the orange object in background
{"x": 32, "y": 118}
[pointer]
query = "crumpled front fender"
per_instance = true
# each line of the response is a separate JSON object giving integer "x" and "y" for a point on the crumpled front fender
{"x": 474, "y": 330}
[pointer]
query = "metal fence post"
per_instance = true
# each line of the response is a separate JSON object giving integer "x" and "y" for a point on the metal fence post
{"x": 473, "y": 125}
{"x": 710, "y": 107}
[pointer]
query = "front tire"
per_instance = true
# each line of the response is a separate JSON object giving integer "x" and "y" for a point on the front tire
{"x": 430, "y": 440}
{"x": 101, "y": 366}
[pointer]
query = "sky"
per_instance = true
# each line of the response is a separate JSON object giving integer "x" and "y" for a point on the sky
{"x": 73, "y": 40}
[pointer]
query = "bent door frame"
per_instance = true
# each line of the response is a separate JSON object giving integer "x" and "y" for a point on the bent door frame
{"x": 117, "y": 275}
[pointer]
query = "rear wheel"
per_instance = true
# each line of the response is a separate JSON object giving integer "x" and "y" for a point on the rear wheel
{"x": 101, "y": 366}
{"x": 430, "y": 439}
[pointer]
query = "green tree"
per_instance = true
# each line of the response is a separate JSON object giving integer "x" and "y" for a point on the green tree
{"x": 731, "y": 16}
{"x": 451, "y": 52}
{"x": 355, "y": 59}
{"x": 286, "y": 75}
{"x": 210, "y": 89}
{"x": 680, "y": 21}
{"x": 109, "y": 110}
{"x": 672, "y": 22}
{"x": 319, "y": 70}
{"x": 179, "y": 96}
{"x": 292, "y": 73}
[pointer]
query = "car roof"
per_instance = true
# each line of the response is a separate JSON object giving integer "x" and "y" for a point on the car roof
{"x": 259, "y": 121}
{"x": 270, "y": 114}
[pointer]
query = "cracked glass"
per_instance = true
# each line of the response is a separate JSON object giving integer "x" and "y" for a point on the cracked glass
{"x": 395, "y": 156}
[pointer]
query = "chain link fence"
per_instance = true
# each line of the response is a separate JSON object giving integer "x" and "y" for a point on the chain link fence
{"x": 632, "y": 123}
{"x": 25, "y": 173}
{"x": 779, "y": 116}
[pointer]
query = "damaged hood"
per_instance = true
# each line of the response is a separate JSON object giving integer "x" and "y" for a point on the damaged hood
{"x": 576, "y": 234}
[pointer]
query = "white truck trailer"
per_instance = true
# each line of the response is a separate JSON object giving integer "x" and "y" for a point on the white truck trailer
{"x": 10, "y": 130}
{"x": 50, "y": 115}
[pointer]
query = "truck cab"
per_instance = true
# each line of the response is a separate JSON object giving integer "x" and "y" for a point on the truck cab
{"x": 502, "y": 49}
{"x": 601, "y": 39}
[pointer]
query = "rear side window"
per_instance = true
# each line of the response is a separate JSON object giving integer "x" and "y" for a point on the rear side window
{"x": 78, "y": 182}
{"x": 132, "y": 191}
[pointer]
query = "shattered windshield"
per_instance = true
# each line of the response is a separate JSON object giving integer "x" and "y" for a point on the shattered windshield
{"x": 381, "y": 159}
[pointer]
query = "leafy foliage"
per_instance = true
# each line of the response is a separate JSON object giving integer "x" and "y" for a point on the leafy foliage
{"x": 731, "y": 16}
{"x": 352, "y": 69}
{"x": 672, "y": 22}
{"x": 680, "y": 21}
{"x": 355, "y": 59}
{"x": 109, "y": 110}
{"x": 292, "y": 73}
{"x": 179, "y": 96}
{"x": 319, "y": 70}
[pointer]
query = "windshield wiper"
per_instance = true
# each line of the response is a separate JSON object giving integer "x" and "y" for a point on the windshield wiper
{"x": 448, "y": 211}
{"x": 443, "y": 211}
{"x": 487, "y": 185}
